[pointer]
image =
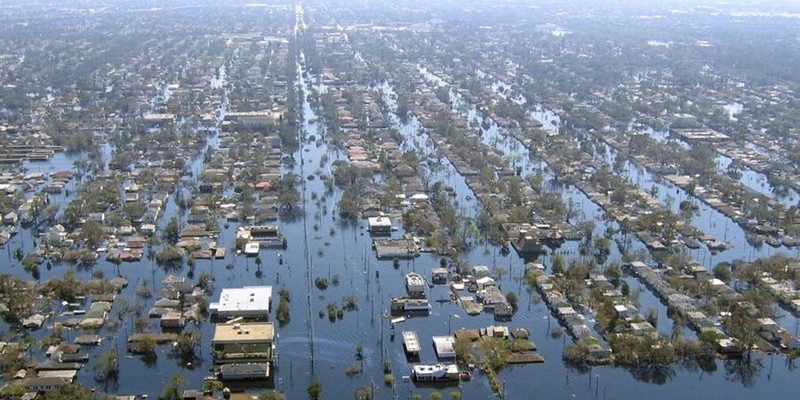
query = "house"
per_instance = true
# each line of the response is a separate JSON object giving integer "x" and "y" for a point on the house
{"x": 380, "y": 225}
{"x": 485, "y": 283}
{"x": 768, "y": 325}
{"x": 496, "y": 331}
{"x": 56, "y": 235}
{"x": 601, "y": 281}
{"x": 491, "y": 297}
{"x": 172, "y": 320}
{"x": 254, "y": 119}
{"x": 11, "y": 218}
{"x": 43, "y": 385}
{"x": 250, "y": 302}
{"x": 534, "y": 267}
{"x": 154, "y": 119}
{"x": 480, "y": 271}
{"x": 680, "y": 300}
{"x": 97, "y": 217}
{"x": 190, "y": 394}
{"x": 404, "y": 171}
{"x": 439, "y": 276}
{"x": 728, "y": 346}
{"x": 568, "y": 315}
{"x": 642, "y": 328}
{"x": 35, "y": 321}
{"x": 579, "y": 330}
{"x": 598, "y": 351}
{"x": 624, "y": 311}
{"x": 88, "y": 340}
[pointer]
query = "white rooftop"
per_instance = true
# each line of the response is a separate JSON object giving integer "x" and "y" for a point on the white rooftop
{"x": 247, "y": 299}
{"x": 445, "y": 346}
{"x": 379, "y": 222}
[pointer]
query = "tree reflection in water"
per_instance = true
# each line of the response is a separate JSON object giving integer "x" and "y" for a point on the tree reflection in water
{"x": 745, "y": 370}
{"x": 658, "y": 374}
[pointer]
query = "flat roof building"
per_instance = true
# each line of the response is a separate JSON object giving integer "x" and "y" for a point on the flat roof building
{"x": 444, "y": 346}
{"x": 250, "y": 302}
{"x": 379, "y": 225}
{"x": 244, "y": 371}
{"x": 243, "y": 343}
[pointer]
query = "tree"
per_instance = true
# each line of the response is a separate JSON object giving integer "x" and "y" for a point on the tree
{"x": 512, "y": 299}
{"x": 652, "y": 316}
{"x": 272, "y": 395}
{"x": 558, "y": 264}
{"x": 172, "y": 390}
{"x": 570, "y": 211}
{"x": 186, "y": 344}
{"x": 147, "y": 346}
{"x": 213, "y": 385}
{"x": 73, "y": 391}
{"x": 614, "y": 272}
{"x": 314, "y": 390}
{"x": 625, "y": 289}
{"x": 283, "y": 315}
{"x": 743, "y": 328}
{"x": 171, "y": 232}
{"x": 722, "y": 271}
{"x": 360, "y": 351}
{"x": 364, "y": 393}
{"x": 92, "y": 233}
{"x": 107, "y": 366}
{"x": 288, "y": 195}
{"x": 140, "y": 324}
{"x": 170, "y": 256}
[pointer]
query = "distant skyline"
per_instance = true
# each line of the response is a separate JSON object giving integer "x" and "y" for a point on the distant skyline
{"x": 755, "y": 5}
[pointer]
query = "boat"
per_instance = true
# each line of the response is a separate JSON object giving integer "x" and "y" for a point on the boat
{"x": 435, "y": 372}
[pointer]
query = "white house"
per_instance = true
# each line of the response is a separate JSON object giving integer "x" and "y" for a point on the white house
{"x": 485, "y": 282}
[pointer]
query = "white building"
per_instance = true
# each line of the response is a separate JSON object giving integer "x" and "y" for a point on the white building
{"x": 445, "y": 346}
{"x": 485, "y": 283}
{"x": 379, "y": 225}
{"x": 415, "y": 285}
{"x": 250, "y": 302}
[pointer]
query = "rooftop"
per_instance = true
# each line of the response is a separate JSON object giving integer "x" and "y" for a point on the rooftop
{"x": 245, "y": 299}
{"x": 379, "y": 222}
{"x": 232, "y": 333}
{"x": 444, "y": 346}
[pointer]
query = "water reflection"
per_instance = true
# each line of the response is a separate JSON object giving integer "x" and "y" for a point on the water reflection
{"x": 657, "y": 374}
{"x": 745, "y": 370}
